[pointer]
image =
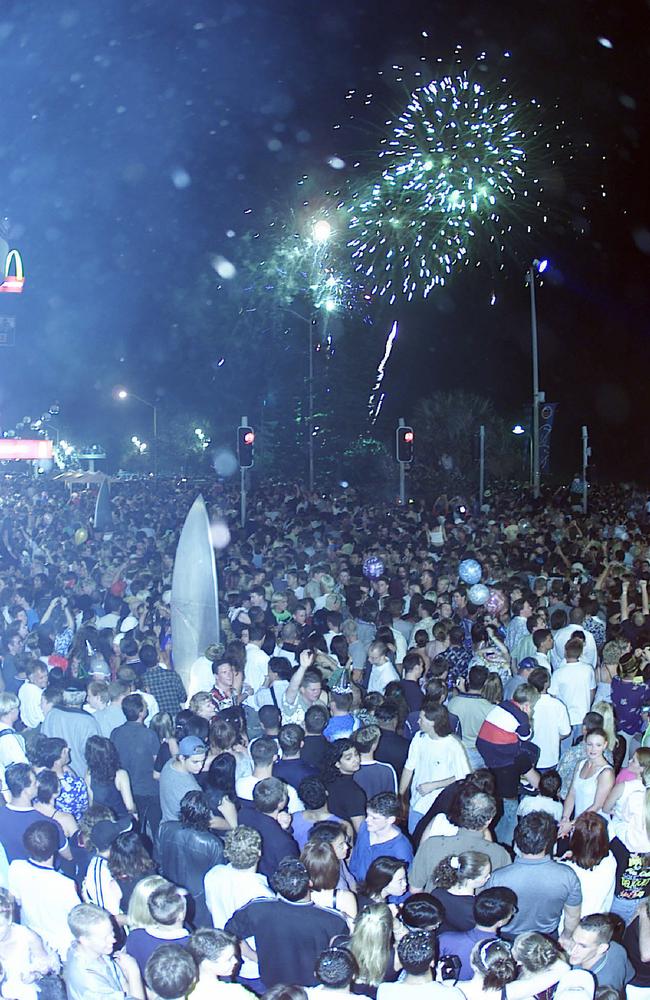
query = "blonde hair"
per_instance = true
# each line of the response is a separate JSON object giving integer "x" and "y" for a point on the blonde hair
{"x": 492, "y": 690}
{"x": 370, "y": 943}
{"x": 138, "y": 914}
{"x": 609, "y": 725}
{"x": 199, "y": 699}
{"x": 534, "y": 952}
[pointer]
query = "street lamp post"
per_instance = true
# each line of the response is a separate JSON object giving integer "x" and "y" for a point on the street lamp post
{"x": 538, "y": 397}
{"x": 126, "y": 394}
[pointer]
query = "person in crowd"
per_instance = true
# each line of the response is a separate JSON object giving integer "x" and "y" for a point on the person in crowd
{"x": 636, "y": 941}
{"x": 161, "y": 680}
{"x": 551, "y": 722}
{"x": 187, "y": 849}
{"x": 314, "y": 747}
{"x": 435, "y": 760}
{"x": 417, "y": 955}
{"x": 371, "y": 944}
{"x": 339, "y": 836}
{"x": 322, "y": 865}
{"x": 217, "y": 955}
{"x": 290, "y": 931}
{"x": 99, "y": 886}
{"x": 179, "y": 775}
{"x": 493, "y": 967}
{"x": 47, "y": 791}
{"x": 92, "y": 968}
{"x": 312, "y": 792}
{"x": 30, "y": 694}
{"x": 167, "y": 906}
{"x": 386, "y": 881}
{"x": 290, "y": 767}
{"x": 108, "y": 783}
{"x": 542, "y": 965}
{"x": 505, "y": 744}
{"x": 268, "y": 815}
{"x": 592, "y": 782}
{"x": 574, "y": 683}
{"x": 379, "y": 835}
{"x": 112, "y": 716}
{"x": 137, "y": 748}
{"x": 69, "y": 722}
{"x": 590, "y": 858}
{"x": 19, "y": 814}
{"x": 346, "y": 798}
{"x": 456, "y": 880}
{"x": 12, "y": 744}
{"x": 170, "y": 973}
{"x": 54, "y": 754}
{"x": 474, "y": 814}
{"x": 471, "y": 708}
{"x": 492, "y": 909}
{"x": 373, "y": 776}
{"x": 546, "y": 889}
{"x": 24, "y": 959}
{"x": 128, "y": 862}
{"x": 44, "y": 895}
{"x": 393, "y": 748}
{"x": 546, "y": 799}
{"x": 591, "y": 947}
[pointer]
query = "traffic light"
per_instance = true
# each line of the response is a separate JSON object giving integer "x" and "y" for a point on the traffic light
{"x": 405, "y": 440}
{"x": 245, "y": 446}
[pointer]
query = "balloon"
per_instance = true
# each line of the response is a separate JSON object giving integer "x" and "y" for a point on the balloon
{"x": 80, "y": 536}
{"x": 495, "y": 603}
{"x": 470, "y": 571}
{"x": 478, "y": 594}
{"x": 373, "y": 567}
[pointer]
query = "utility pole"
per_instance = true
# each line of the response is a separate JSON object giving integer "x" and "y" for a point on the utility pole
{"x": 586, "y": 452}
{"x": 242, "y": 490}
{"x": 481, "y": 465}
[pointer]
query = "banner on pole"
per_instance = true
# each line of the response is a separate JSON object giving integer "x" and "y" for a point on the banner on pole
{"x": 546, "y": 418}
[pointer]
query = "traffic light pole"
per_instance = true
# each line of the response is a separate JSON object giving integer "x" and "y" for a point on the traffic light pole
{"x": 402, "y": 472}
{"x": 242, "y": 489}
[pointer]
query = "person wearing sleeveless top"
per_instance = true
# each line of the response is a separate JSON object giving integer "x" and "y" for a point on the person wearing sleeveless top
{"x": 108, "y": 783}
{"x": 592, "y": 782}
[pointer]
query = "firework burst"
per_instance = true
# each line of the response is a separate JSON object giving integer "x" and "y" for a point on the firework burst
{"x": 454, "y": 165}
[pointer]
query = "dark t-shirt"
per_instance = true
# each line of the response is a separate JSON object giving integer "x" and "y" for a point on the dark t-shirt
{"x": 392, "y": 749}
{"x": 276, "y": 842}
{"x": 459, "y": 910}
{"x": 14, "y": 822}
{"x": 631, "y": 945}
{"x": 632, "y": 872}
{"x": 314, "y": 750}
{"x": 138, "y": 748}
{"x": 289, "y": 937}
{"x": 346, "y": 798}
{"x": 293, "y": 771}
{"x": 140, "y": 944}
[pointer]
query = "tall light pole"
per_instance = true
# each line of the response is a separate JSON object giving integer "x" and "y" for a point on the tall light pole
{"x": 321, "y": 232}
{"x": 538, "y": 266}
{"x": 122, "y": 393}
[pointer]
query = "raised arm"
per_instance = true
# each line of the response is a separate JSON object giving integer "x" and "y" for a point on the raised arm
{"x": 306, "y": 661}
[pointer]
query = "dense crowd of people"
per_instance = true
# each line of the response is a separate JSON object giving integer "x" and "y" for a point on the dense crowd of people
{"x": 377, "y": 779}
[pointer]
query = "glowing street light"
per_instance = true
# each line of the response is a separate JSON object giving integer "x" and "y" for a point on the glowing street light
{"x": 518, "y": 429}
{"x": 119, "y": 392}
{"x": 321, "y": 231}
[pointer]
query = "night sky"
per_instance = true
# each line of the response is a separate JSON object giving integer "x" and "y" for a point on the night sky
{"x": 136, "y": 135}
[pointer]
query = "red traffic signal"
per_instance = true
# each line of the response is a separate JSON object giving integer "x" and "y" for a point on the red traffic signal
{"x": 404, "y": 444}
{"x": 246, "y": 447}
